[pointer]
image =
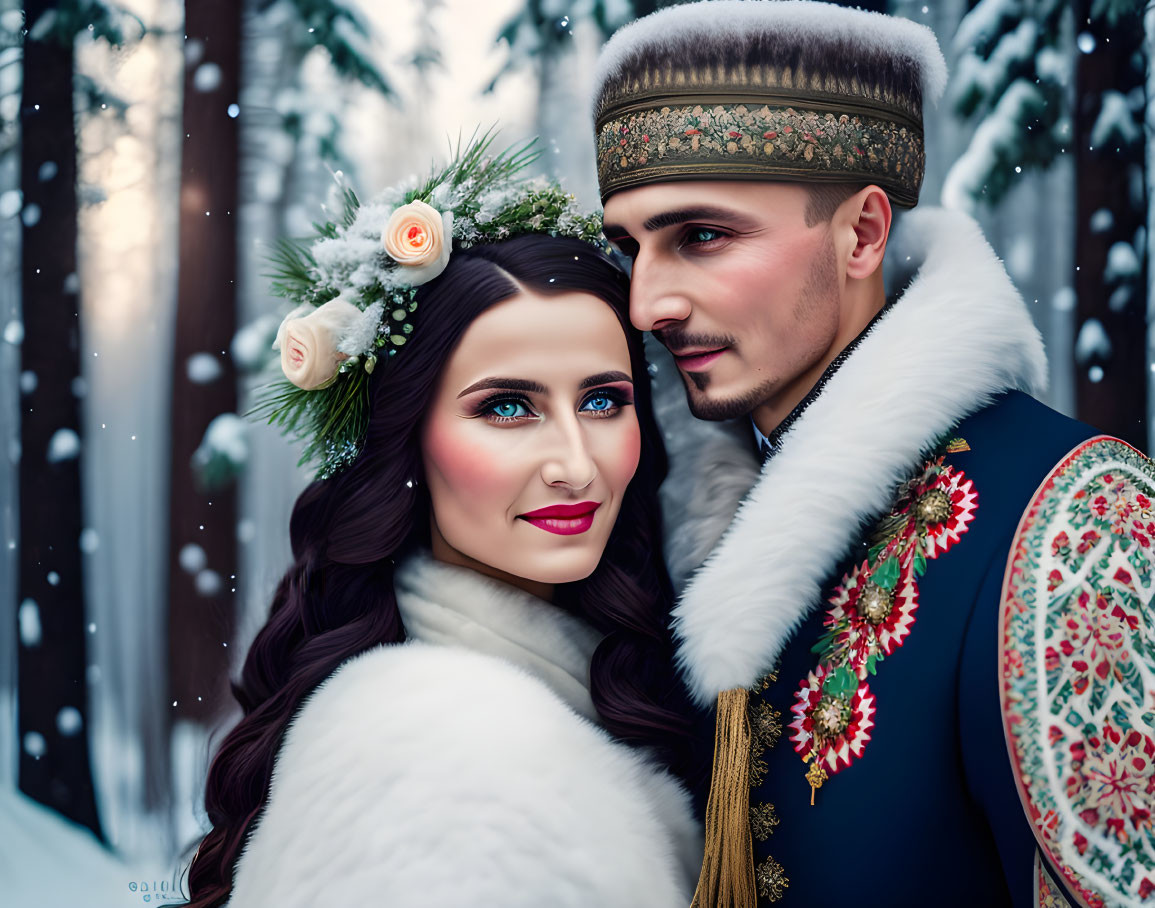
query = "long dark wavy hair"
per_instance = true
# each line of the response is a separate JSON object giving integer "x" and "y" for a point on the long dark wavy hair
{"x": 337, "y": 599}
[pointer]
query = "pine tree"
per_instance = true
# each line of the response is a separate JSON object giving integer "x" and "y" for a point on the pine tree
{"x": 1015, "y": 81}
{"x": 1110, "y": 220}
{"x": 200, "y": 604}
{"x": 1011, "y": 81}
{"x": 54, "y": 765}
{"x": 208, "y": 441}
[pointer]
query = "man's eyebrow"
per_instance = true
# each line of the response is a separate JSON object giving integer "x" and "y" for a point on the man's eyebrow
{"x": 604, "y": 378}
{"x": 614, "y": 232}
{"x": 504, "y": 384}
{"x": 700, "y": 213}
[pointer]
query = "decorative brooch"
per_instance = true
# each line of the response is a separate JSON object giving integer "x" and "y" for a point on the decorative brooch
{"x": 871, "y": 614}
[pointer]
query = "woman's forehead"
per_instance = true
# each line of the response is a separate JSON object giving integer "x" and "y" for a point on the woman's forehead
{"x": 552, "y": 339}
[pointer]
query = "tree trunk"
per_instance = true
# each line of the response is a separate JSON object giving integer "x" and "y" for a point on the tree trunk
{"x": 1110, "y": 388}
{"x": 201, "y": 589}
{"x": 52, "y": 699}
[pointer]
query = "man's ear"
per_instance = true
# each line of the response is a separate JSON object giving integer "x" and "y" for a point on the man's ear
{"x": 864, "y": 219}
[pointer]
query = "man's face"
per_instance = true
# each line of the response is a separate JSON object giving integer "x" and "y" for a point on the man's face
{"x": 732, "y": 280}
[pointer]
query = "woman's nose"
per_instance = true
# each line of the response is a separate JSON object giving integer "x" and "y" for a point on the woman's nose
{"x": 569, "y": 462}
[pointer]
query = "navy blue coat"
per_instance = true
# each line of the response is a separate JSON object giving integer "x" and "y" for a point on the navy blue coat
{"x": 929, "y": 815}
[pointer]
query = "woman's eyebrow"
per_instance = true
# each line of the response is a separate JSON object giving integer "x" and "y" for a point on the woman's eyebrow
{"x": 604, "y": 378}
{"x": 505, "y": 384}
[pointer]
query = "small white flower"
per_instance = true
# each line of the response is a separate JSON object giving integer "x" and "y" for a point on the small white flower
{"x": 419, "y": 239}
{"x": 308, "y": 343}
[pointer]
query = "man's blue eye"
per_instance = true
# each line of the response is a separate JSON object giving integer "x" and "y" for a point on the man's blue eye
{"x": 599, "y": 404}
{"x": 703, "y": 235}
{"x": 509, "y": 409}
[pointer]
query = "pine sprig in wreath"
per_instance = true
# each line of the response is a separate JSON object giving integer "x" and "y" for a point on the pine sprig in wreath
{"x": 331, "y": 422}
{"x": 480, "y": 196}
{"x": 292, "y": 265}
{"x": 472, "y": 168}
{"x": 531, "y": 214}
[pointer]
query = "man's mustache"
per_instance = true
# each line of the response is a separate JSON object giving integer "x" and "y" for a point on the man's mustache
{"x": 676, "y": 340}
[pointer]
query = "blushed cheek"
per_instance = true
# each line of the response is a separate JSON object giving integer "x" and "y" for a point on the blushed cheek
{"x": 449, "y": 455}
{"x": 621, "y": 456}
{"x": 465, "y": 478}
{"x": 760, "y": 295}
{"x": 748, "y": 298}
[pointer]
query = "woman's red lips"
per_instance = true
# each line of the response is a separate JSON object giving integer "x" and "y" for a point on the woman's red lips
{"x": 565, "y": 510}
{"x": 564, "y": 519}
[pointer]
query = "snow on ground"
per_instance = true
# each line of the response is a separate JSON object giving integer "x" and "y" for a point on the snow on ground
{"x": 49, "y": 862}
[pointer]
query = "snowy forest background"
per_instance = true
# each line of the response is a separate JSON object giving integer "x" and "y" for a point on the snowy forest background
{"x": 152, "y": 151}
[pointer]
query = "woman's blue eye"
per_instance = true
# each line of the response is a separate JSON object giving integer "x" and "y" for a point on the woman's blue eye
{"x": 509, "y": 409}
{"x": 599, "y": 404}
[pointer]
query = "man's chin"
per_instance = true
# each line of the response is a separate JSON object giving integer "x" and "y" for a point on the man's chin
{"x": 708, "y": 404}
{"x": 705, "y": 406}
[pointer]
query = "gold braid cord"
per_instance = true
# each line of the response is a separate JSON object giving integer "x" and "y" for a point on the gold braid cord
{"x": 727, "y": 878}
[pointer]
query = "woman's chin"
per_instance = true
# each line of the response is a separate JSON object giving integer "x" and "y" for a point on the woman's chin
{"x": 554, "y": 567}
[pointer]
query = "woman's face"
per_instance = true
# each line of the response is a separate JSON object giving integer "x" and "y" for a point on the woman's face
{"x": 531, "y": 439}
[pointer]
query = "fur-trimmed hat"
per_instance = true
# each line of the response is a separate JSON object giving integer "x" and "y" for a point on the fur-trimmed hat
{"x": 766, "y": 90}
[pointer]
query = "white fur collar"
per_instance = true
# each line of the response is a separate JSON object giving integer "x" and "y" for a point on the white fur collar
{"x": 455, "y": 606}
{"x": 959, "y": 335}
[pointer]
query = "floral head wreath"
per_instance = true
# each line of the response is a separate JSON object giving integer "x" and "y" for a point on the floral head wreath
{"x": 356, "y": 281}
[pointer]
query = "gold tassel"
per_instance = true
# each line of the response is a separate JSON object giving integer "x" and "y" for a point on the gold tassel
{"x": 727, "y": 878}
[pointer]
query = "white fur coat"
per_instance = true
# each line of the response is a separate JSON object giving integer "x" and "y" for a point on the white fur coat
{"x": 461, "y": 769}
{"x": 959, "y": 335}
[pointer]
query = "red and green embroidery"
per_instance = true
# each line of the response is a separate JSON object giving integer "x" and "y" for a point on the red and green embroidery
{"x": 871, "y": 614}
{"x": 1047, "y": 891}
{"x": 1077, "y": 646}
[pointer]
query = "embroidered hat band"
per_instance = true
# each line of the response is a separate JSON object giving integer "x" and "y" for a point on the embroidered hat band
{"x": 797, "y": 91}
{"x": 761, "y": 137}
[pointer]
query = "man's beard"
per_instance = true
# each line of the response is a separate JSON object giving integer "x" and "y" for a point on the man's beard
{"x": 821, "y": 284}
{"x": 729, "y": 408}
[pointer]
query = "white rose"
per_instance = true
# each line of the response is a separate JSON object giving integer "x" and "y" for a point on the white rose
{"x": 308, "y": 343}
{"x": 419, "y": 239}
